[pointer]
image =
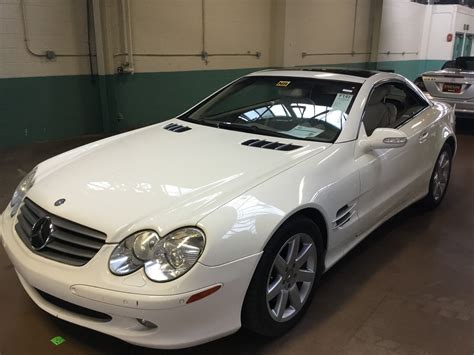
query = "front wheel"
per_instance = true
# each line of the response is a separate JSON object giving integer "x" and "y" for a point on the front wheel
{"x": 439, "y": 178}
{"x": 285, "y": 278}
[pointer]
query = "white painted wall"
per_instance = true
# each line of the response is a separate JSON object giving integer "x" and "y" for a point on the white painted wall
{"x": 279, "y": 29}
{"x": 175, "y": 27}
{"x": 58, "y": 25}
{"x": 423, "y": 29}
{"x": 463, "y": 15}
{"x": 327, "y": 27}
{"x": 441, "y": 24}
{"x": 401, "y": 30}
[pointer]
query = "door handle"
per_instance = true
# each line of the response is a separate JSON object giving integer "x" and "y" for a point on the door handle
{"x": 424, "y": 136}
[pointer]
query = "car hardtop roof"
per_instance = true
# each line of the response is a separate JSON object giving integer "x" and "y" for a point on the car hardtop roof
{"x": 339, "y": 73}
{"x": 363, "y": 73}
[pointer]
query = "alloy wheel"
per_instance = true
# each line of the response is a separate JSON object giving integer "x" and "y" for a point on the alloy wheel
{"x": 291, "y": 277}
{"x": 441, "y": 175}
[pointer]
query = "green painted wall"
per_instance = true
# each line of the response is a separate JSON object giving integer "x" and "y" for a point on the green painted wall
{"x": 49, "y": 108}
{"x": 143, "y": 98}
{"x": 410, "y": 68}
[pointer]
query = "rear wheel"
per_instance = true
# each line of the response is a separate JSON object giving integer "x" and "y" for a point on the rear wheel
{"x": 439, "y": 178}
{"x": 285, "y": 278}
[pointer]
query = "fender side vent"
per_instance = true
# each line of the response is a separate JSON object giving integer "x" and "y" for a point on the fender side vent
{"x": 260, "y": 143}
{"x": 344, "y": 215}
{"x": 173, "y": 127}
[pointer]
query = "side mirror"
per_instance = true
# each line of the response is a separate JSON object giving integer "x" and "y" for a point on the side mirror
{"x": 384, "y": 138}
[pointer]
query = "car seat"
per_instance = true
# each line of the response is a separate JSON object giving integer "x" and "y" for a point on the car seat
{"x": 378, "y": 112}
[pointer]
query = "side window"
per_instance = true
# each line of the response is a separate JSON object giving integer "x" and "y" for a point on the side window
{"x": 391, "y": 105}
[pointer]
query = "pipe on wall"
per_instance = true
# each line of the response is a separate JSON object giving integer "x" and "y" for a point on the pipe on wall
{"x": 101, "y": 71}
{"x": 352, "y": 52}
{"x": 204, "y": 55}
{"x": 89, "y": 46}
{"x": 49, "y": 54}
{"x": 203, "y": 25}
{"x": 304, "y": 54}
{"x": 401, "y": 53}
{"x": 354, "y": 28}
{"x": 128, "y": 66}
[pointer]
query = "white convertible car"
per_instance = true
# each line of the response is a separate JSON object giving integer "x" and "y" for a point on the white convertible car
{"x": 226, "y": 216}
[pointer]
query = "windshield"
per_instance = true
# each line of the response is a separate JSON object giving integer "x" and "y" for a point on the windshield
{"x": 300, "y": 108}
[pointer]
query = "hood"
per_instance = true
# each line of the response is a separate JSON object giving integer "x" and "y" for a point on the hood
{"x": 159, "y": 179}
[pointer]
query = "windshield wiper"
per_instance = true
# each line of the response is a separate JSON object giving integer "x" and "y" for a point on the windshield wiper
{"x": 262, "y": 104}
{"x": 251, "y": 129}
{"x": 200, "y": 121}
{"x": 240, "y": 127}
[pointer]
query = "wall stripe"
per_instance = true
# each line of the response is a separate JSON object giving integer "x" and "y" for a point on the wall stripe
{"x": 55, "y": 107}
{"x": 48, "y": 108}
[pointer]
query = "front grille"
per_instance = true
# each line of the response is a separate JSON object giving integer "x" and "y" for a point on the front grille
{"x": 70, "y": 243}
{"x": 74, "y": 308}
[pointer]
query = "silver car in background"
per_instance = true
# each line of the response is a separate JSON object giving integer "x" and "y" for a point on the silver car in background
{"x": 453, "y": 84}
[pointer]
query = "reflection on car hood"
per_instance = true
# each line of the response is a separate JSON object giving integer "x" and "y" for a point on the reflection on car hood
{"x": 155, "y": 178}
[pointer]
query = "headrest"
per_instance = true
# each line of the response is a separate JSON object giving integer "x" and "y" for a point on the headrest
{"x": 379, "y": 94}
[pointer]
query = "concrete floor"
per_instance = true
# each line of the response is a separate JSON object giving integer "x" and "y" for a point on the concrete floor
{"x": 407, "y": 289}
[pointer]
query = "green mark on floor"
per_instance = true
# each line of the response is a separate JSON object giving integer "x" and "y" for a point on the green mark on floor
{"x": 58, "y": 340}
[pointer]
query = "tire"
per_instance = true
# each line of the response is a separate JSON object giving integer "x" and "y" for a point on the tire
{"x": 439, "y": 178}
{"x": 281, "y": 272}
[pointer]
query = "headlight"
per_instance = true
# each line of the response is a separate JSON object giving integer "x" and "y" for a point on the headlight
{"x": 164, "y": 259}
{"x": 19, "y": 195}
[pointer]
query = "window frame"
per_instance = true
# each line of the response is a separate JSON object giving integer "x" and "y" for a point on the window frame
{"x": 395, "y": 81}
{"x": 185, "y": 115}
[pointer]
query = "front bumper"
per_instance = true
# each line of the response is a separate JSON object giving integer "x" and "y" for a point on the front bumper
{"x": 126, "y": 299}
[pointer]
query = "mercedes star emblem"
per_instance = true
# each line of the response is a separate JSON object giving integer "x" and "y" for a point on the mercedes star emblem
{"x": 41, "y": 233}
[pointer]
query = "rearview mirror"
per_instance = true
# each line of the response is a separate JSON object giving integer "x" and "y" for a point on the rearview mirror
{"x": 384, "y": 138}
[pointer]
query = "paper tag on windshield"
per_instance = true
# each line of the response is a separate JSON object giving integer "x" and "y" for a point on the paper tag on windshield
{"x": 342, "y": 102}
{"x": 304, "y": 132}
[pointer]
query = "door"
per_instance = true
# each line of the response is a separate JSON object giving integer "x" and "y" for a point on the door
{"x": 467, "y": 45}
{"x": 391, "y": 178}
{"x": 458, "y": 45}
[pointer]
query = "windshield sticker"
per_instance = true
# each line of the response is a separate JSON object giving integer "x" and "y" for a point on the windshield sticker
{"x": 342, "y": 102}
{"x": 283, "y": 83}
{"x": 304, "y": 132}
{"x": 347, "y": 90}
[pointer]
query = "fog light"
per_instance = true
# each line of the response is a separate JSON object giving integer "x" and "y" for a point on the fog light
{"x": 147, "y": 323}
